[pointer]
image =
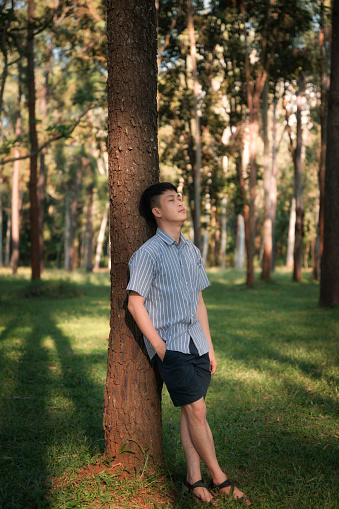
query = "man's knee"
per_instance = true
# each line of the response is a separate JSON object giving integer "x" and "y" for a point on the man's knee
{"x": 196, "y": 411}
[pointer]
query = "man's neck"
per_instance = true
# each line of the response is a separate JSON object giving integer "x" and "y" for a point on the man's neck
{"x": 171, "y": 230}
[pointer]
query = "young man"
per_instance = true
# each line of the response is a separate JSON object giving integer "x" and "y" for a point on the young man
{"x": 167, "y": 277}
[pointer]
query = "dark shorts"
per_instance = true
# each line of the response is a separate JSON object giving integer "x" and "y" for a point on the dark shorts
{"x": 187, "y": 376}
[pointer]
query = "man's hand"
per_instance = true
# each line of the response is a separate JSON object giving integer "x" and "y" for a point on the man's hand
{"x": 213, "y": 361}
{"x": 161, "y": 351}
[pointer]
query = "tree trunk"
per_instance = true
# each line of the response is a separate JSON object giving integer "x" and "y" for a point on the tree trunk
{"x": 207, "y": 227}
{"x": 240, "y": 243}
{"x": 132, "y": 404}
{"x": 73, "y": 219}
{"x": 329, "y": 280}
{"x": 318, "y": 250}
{"x": 41, "y": 203}
{"x": 101, "y": 237}
{"x": 197, "y": 176}
{"x": 33, "y": 138}
{"x": 15, "y": 187}
{"x": 223, "y": 231}
{"x": 8, "y": 238}
{"x": 254, "y": 133}
{"x": 245, "y": 213}
{"x": 274, "y": 176}
{"x": 67, "y": 232}
{"x": 267, "y": 233}
{"x": 291, "y": 236}
{"x": 89, "y": 231}
{"x": 299, "y": 207}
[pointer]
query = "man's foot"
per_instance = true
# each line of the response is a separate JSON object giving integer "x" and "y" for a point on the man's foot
{"x": 200, "y": 491}
{"x": 227, "y": 488}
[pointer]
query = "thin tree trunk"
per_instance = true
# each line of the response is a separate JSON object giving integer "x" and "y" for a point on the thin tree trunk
{"x": 329, "y": 279}
{"x": 73, "y": 218}
{"x": 223, "y": 231}
{"x": 41, "y": 202}
{"x": 254, "y": 134}
{"x": 89, "y": 232}
{"x": 291, "y": 236}
{"x": 33, "y": 138}
{"x": 207, "y": 226}
{"x": 267, "y": 231}
{"x": 67, "y": 232}
{"x": 318, "y": 250}
{"x": 298, "y": 167}
{"x": 274, "y": 177}
{"x": 245, "y": 213}
{"x": 197, "y": 176}
{"x": 132, "y": 406}
{"x": 101, "y": 237}
{"x": 240, "y": 243}
{"x": 42, "y": 173}
{"x": 8, "y": 239}
{"x": 15, "y": 186}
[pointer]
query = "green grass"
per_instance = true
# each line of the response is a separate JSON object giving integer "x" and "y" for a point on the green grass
{"x": 272, "y": 406}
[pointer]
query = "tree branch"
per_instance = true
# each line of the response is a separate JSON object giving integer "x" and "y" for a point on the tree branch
{"x": 51, "y": 140}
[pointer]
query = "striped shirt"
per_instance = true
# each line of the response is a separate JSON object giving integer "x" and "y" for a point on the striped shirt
{"x": 170, "y": 277}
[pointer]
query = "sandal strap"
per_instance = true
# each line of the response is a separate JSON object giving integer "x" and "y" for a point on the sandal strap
{"x": 198, "y": 484}
{"x": 224, "y": 484}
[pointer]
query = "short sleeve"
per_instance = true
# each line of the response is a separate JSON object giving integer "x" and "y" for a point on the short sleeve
{"x": 203, "y": 282}
{"x": 141, "y": 267}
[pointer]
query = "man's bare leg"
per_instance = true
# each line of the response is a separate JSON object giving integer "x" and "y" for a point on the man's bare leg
{"x": 192, "y": 459}
{"x": 202, "y": 440}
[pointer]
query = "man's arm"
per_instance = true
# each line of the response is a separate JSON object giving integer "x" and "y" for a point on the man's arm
{"x": 203, "y": 319}
{"x": 137, "y": 309}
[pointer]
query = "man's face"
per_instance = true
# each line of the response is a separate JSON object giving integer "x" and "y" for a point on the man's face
{"x": 171, "y": 209}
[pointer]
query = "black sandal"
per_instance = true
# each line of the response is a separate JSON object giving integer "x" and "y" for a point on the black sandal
{"x": 225, "y": 484}
{"x": 198, "y": 484}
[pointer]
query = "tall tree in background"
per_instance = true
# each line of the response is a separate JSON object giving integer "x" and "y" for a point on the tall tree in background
{"x": 296, "y": 150}
{"x": 318, "y": 251}
{"x": 33, "y": 137}
{"x": 197, "y": 135}
{"x": 132, "y": 406}
{"x": 329, "y": 281}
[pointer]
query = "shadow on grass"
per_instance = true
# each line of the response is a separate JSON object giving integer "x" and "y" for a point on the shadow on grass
{"x": 50, "y": 406}
{"x": 272, "y": 407}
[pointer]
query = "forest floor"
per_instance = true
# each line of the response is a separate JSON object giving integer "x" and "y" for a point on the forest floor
{"x": 272, "y": 406}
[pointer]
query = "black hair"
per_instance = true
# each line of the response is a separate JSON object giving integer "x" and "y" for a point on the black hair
{"x": 150, "y": 199}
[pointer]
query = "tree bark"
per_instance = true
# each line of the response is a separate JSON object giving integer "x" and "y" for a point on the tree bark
{"x": 329, "y": 280}
{"x": 240, "y": 243}
{"x": 89, "y": 231}
{"x": 207, "y": 227}
{"x": 318, "y": 250}
{"x": 197, "y": 134}
{"x": 274, "y": 175}
{"x": 132, "y": 404}
{"x": 299, "y": 207}
{"x": 223, "y": 231}
{"x": 267, "y": 232}
{"x": 15, "y": 186}
{"x": 291, "y": 236}
{"x": 33, "y": 138}
{"x": 8, "y": 238}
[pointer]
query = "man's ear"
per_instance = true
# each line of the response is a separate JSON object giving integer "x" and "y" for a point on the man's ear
{"x": 156, "y": 212}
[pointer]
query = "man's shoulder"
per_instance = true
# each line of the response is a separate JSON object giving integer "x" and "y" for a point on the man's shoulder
{"x": 149, "y": 248}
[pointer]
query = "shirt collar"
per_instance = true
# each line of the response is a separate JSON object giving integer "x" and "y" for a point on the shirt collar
{"x": 168, "y": 239}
